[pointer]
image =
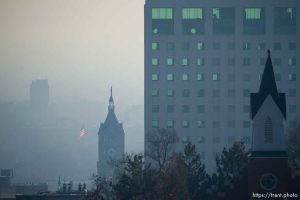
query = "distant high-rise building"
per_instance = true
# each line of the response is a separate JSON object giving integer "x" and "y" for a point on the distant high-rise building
{"x": 39, "y": 94}
{"x": 203, "y": 58}
{"x": 111, "y": 141}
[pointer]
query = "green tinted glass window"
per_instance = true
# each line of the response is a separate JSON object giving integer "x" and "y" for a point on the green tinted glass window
{"x": 170, "y": 61}
{"x": 192, "y": 13}
{"x": 200, "y": 77}
{"x": 185, "y": 124}
{"x": 162, "y": 13}
{"x": 185, "y": 77}
{"x": 154, "y": 61}
{"x": 170, "y": 124}
{"x": 154, "y": 77}
{"x": 155, "y": 93}
{"x": 185, "y": 61}
{"x": 200, "y": 124}
{"x": 154, "y": 124}
{"x": 200, "y": 61}
{"x": 154, "y": 46}
{"x": 170, "y": 93}
{"x": 215, "y": 77}
{"x": 200, "y": 46}
{"x": 253, "y": 13}
{"x": 170, "y": 77}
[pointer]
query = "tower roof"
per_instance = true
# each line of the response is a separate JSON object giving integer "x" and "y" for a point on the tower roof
{"x": 267, "y": 87}
{"x": 111, "y": 117}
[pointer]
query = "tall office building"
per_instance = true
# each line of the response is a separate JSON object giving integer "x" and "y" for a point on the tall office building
{"x": 204, "y": 57}
{"x": 39, "y": 94}
{"x": 111, "y": 141}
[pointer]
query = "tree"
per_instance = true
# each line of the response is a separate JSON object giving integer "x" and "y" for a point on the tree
{"x": 293, "y": 145}
{"x": 160, "y": 146}
{"x": 102, "y": 190}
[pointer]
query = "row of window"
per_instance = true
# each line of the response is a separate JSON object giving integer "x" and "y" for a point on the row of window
{"x": 277, "y": 46}
{"x": 214, "y": 93}
{"x": 202, "y": 108}
{"x": 217, "y": 61}
{"x": 199, "y": 124}
{"x": 214, "y": 77}
{"x": 217, "y": 139}
{"x": 223, "y": 21}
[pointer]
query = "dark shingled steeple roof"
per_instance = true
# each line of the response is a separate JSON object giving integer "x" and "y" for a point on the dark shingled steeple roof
{"x": 267, "y": 87}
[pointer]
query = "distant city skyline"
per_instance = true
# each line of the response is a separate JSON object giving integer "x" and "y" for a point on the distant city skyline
{"x": 81, "y": 48}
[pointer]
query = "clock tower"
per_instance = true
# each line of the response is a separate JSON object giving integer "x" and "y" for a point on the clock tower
{"x": 268, "y": 169}
{"x": 111, "y": 141}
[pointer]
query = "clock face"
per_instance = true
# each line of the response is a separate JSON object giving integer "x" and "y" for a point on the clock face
{"x": 268, "y": 181}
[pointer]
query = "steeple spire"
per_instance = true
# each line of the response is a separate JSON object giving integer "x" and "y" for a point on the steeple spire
{"x": 267, "y": 87}
{"x": 111, "y": 105}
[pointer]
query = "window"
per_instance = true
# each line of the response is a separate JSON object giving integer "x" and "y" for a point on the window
{"x": 216, "y": 61}
{"x": 246, "y": 77}
{"x": 261, "y": 46}
{"x": 231, "y": 108}
{"x": 162, "y": 21}
{"x": 154, "y": 77}
{"x": 170, "y": 46}
{"x": 292, "y": 92}
{"x": 246, "y": 93}
{"x": 254, "y": 21}
{"x": 277, "y": 46}
{"x": 185, "y": 77}
{"x": 261, "y": 61}
{"x": 185, "y": 61}
{"x": 154, "y": 61}
{"x": 154, "y": 124}
{"x": 231, "y": 77}
{"x": 246, "y": 108}
{"x": 200, "y": 93}
{"x": 215, "y": 93}
{"x": 231, "y": 61}
{"x": 246, "y": 61}
{"x": 292, "y": 46}
{"x": 246, "y": 139}
{"x": 200, "y": 77}
{"x": 292, "y": 61}
{"x": 277, "y": 77}
{"x": 246, "y": 124}
{"x": 246, "y": 46}
{"x": 170, "y": 93}
{"x": 185, "y": 139}
{"x": 216, "y": 139}
{"x": 231, "y": 93}
{"x": 154, "y": 46}
{"x": 170, "y": 108}
{"x": 292, "y": 108}
{"x": 231, "y": 139}
{"x": 200, "y": 46}
{"x": 185, "y": 46}
{"x": 223, "y": 21}
{"x": 170, "y": 77}
{"x": 170, "y": 61}
{"x": 192, "y": 21}
{"x": 216, "y": 124}
{"x": 216, "y": 108}
{"x": 215, "y": 77}
{"x": 154, "y": 93}
{"x": 292, "y": 77}
{"x": 285, "y": 21}
{"x": 277, "y": 61}
{"x": 201, "y": 108}
{"x": 185, "y": 108}
{"x": 185, "y": 92}
{"x": 200, "y": 123}
{"x": 201, "y": 140}
{"x": 216, "y": 46}
{"x": 231, "y": 124}
{"x": 170, "y": 124}
{"x": 268, "y": 136}
{"x": 200, "y": 61}
{"x": 185, "y": 124}
{"x": 155, "y": 108}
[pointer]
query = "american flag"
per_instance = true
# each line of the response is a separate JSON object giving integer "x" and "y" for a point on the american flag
{"x": 82, "y": 132}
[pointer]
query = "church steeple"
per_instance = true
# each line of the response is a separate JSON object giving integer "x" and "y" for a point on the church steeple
{"x": 267, "y": 87}
{"x": 111, "y": 105}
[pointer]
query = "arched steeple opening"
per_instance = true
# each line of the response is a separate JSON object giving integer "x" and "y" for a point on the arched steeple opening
{"x": 268, "y": 130}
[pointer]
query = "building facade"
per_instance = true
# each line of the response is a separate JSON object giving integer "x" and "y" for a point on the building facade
{"x": 203, "y": 58}
{"x": 111, "y": 141}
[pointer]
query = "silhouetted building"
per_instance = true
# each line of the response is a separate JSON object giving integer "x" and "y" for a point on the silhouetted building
{"x": 111, "y": 141}
{"x": 39, "y": 94}
{"x": 202, "y": 59}
{"x": 268, "y": 169}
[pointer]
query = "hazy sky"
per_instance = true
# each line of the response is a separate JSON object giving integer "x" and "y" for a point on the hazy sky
{"x": 81, "y": 46}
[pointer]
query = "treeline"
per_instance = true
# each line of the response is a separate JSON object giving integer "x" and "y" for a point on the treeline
{"x": 175, "y": 176}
